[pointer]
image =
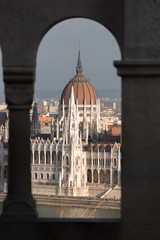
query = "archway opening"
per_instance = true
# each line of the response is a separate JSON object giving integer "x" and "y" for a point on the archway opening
{"x": 85, "y": 114}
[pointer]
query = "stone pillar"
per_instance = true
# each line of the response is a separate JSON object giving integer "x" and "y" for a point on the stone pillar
{"x": 140, "y": 148}
{"x": 39, "y": 153}
{"x": 45, "y": 157}
{"x": 98, "y": 175}
{"x": 19, "y": 203}
{"x": 50, "y": 157}
{"x": 119, "y": 178}
{"x": 92, "y": 174}
{"x": 33, "y": 156}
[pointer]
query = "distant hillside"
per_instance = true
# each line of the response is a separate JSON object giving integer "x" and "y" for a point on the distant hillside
{"x": 110, "y": 93}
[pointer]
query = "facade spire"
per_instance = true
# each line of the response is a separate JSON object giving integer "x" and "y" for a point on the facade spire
{"x": 79, "y": 67}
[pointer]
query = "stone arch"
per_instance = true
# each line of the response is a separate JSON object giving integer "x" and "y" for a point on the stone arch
{"x": 90, "y": 16}
{"x": 101, "y": 176}
{"x": 42, "y": 157}
{"x": 89, "y": 175}
{"x": 107, "y": 177}
{"x": 36, "y": 157}
{"x": 95, "y": 176}
{"x": 53, "y": 157}
{"x": 47, "y": 157}
{"x": 115, "y": 177}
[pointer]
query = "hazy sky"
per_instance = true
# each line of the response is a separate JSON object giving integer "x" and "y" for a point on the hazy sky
{"x": 58, "y": 52}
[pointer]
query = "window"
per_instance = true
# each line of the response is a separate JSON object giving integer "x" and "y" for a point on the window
{"x": 42, "y": 157}
{"x": 101, "y": 176}
{"x": 115, "y": 177}
{"x": 53, "y": 157}
{"x": 35, "y": 175}
{"x": 67, "y": 160}
{"x": 107, "y": 177}
{"x": 95, "y": 176}
{"x": 36, "y": 157}
{"x": 89, "y": 176}
{"x": 59, "y": 157}
{"x": 47, "y": 157}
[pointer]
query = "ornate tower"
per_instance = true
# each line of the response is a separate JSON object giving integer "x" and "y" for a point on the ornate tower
{"x": 35, "y": 124}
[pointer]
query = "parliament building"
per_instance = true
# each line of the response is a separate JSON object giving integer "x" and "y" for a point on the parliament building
{"x": 78, "y": 159}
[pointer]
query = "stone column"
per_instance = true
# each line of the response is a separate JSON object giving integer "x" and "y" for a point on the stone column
{"x": 19, "y": 203}
{"x": 140, "y": 148}
{"x": 39, "y": 153}
{"x": 33, "y": 156}
{"x": 45, "y": 156}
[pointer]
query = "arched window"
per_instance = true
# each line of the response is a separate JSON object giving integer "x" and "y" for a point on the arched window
{"x": 89, "y": 175}
{"x": 41, "y": 175}
{"x": 53, "y": 157}
{"x": 53, "y": 176}
{"x": 47, "y": 157}
{"x": 36, "y": 157}
{"x": 115, "y": 161}
{"x": 42, "y": 157}
{"x": 47, "y": 175}
{"x": 101, "y": 176}
{"x": 115, "y": 177}
{"x": 35, "y": 175}
{"x": 107, "y": 177}
{"x": 59, "y": 156}
{"x": 95, "y": 176}
{"x": 67, "y": 160}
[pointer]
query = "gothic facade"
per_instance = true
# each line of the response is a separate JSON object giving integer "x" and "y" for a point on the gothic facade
{"x": 74, "y": 160}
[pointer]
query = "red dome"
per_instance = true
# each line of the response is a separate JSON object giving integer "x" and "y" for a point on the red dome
{"x": 83, "y": 89}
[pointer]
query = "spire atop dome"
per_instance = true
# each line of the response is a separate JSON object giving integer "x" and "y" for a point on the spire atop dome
{"x": 79, "y": 67}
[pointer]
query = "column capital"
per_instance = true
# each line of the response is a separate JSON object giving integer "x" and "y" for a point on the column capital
{"x": 19, "y": 87}
{"x": 138, "y": 67}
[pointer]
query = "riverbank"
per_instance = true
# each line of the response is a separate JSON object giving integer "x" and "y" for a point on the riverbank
{"x": 74, "y": 207}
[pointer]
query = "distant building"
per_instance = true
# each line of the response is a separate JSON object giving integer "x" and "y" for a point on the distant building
{"x": 75, "y": 160}
{"x": 79, "y": 158}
